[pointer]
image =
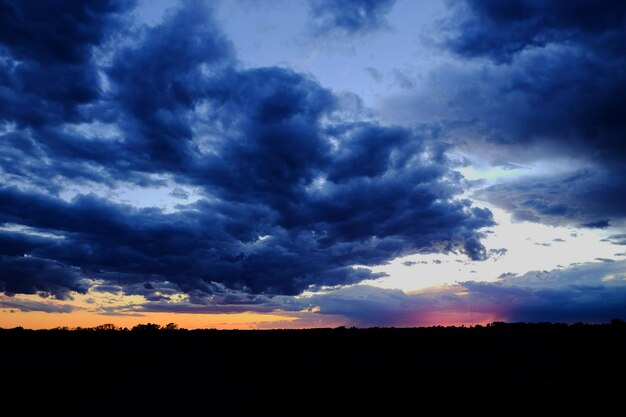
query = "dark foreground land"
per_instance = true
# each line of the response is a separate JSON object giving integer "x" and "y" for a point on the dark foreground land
{"x": 179, "y": 372}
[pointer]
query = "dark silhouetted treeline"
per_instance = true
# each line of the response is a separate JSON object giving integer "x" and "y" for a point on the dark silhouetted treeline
{"x": 170, "y": 371}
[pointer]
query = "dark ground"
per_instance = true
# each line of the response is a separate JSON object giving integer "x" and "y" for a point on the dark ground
{"x": 180, "y": 372}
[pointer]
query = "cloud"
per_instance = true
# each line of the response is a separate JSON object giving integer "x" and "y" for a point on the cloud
{"x": 291, "y": 195}
{"x": 502, "y": 30}
{"x": 538, "y": 81}
{"x": 47, "y": 49}
{"x": 598, "y": 224}
{"x": 30, "y": 305}
{"x": 604, "y": 260}
{"x": 179, "y": 193}
{"x": 579, "y": 199}
{"x": 366, "y": 306}
{"x": 593, "y": 292}
{"x": 497, "y": 253}
{"x": 618, "y": 239}
{"x": 25, "y": 273}
{"x": 349, "y": 17}
{"x": 30, "y": 275}
{"x": 155, "y": 92}
{"x": 374, "y": 73}
{"x": 588, "y": 293}
{"x": 402, "y": 80}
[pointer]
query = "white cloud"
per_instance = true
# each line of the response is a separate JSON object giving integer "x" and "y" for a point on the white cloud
{"x": 530, "y": 247}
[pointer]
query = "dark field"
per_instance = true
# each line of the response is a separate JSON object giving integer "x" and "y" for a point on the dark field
{"x": 180, "y": 372}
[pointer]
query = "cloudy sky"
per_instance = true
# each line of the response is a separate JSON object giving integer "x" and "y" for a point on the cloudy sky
{"x": 258, "y": 164}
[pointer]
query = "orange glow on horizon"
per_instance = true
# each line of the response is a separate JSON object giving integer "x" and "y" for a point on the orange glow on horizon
{"x": 42, "y": 320}
{"x": 224, "y": 321}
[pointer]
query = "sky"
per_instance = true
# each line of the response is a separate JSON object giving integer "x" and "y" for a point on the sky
{"x": 295, "y": 164}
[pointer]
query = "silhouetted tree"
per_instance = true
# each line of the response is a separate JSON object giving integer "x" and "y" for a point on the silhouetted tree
{"x": 148, "y": 327}
{"x": 171, "y": 326}
{"x": 106, "y": 326}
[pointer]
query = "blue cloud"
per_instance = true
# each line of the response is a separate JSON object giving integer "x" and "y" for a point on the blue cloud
{"x": 575, "y": 294}
{"x": 585, "y": 293}
{"x": 158, "y": 80}
{"x": 549, "y": 82}
{"x": 349, "y": 16}
{"x": 29, "y": 305}
{"x": 266, "y": 148}
{"x": 47, "y": 49}
{"x": 500, "y": 30}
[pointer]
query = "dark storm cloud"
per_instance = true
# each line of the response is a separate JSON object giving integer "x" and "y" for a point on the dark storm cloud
{"x": 586, "y": 199}
{"x": 598, "y": 224}
{"x": 502, "y": 29}
{"x": 32, "y": 275}
{"x": 156, "y": 87}
{"x": 51, "y": 31}
{"x": 547, "y": 81}
{"x": 272, "y": 132}
{"x": 47, "y": 48}
{"x": 291, "y": 195}
{"x": 349, "y": 16}
{"x": 50, "y": 79}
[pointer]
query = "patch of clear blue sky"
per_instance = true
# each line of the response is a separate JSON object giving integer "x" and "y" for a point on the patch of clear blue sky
{"x": 371, "y": 65}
